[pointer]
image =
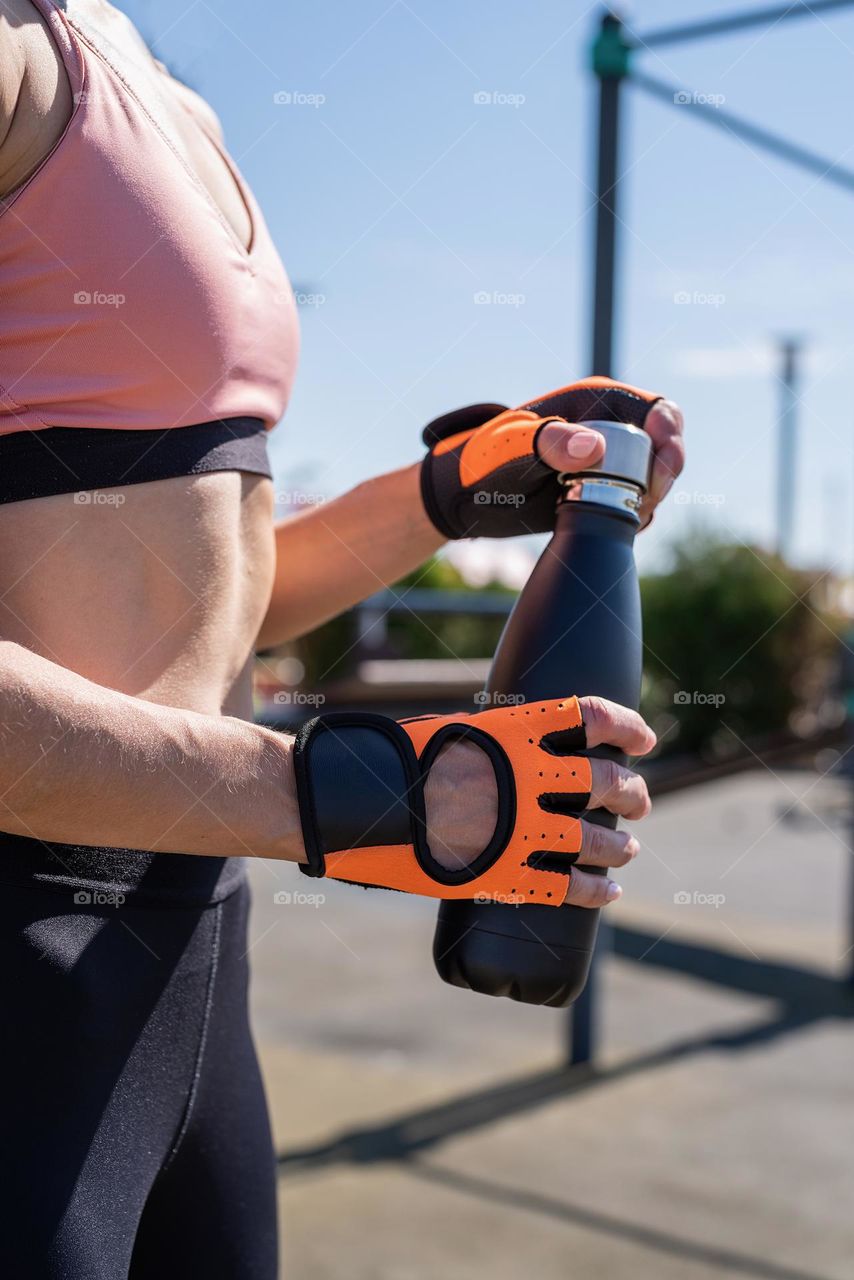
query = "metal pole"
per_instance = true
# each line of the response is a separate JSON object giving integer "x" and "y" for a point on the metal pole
{"x": 849, "y": 955}
{"x": 770, "y": 17}
{"x": 610, "y": 65}
{"x": 741, "y": 130}
{"x": 846, "y": 776}
{"x": 846, "y": 681}
{"x": 790, "y": 349}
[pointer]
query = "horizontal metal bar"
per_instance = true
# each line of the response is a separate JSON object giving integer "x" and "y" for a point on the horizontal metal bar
{"x": 726, "y": 24}
{"x": 433, "y": 600}
{"x": 827, "y": 170}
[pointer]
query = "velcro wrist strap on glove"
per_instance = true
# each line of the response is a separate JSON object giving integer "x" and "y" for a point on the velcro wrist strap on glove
{"x": 360, "y": 784}
{"x": 483, "y": 477}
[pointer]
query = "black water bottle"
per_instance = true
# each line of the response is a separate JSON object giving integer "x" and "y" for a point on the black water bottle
{"x": 576, "y": 628}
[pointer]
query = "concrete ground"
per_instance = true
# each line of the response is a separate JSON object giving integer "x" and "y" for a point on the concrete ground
{"x": 429, "y": 1133}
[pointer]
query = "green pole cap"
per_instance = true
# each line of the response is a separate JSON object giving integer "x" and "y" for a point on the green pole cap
{"x": 610, "y": 52}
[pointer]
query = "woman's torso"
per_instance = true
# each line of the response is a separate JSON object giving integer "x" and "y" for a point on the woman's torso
{"x": 131, "y": 296}
{"x": 156, "y": 589}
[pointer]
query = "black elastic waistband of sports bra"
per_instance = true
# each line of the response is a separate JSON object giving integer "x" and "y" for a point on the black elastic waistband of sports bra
{"x": 76, "y": 460}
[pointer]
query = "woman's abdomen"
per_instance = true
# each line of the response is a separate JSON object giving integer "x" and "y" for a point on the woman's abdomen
{"x": 157, "y": 590}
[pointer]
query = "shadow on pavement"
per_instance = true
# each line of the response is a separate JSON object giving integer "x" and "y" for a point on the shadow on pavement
{"x": 729, "y": 1260}
{"x": 805, "y": 997}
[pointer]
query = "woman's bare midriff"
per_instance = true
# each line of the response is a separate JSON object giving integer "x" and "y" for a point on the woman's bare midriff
{"x": 156, "y": 590}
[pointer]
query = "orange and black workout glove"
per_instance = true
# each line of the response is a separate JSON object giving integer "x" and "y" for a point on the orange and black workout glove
{"x": 360, "y": 785}
{"x": 483, "y": 477}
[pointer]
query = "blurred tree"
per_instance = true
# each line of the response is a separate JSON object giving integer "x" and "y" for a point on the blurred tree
{"x": 736, "y": 645}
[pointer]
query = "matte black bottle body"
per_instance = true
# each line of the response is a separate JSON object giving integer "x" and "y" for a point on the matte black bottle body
{"x": 576, "y": 628}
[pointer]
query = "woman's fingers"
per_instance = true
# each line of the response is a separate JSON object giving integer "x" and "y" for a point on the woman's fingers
{"x": 568, "y": 447}
{"x": 618, "y": 790}
{"x": 665, "y": 425}
{"x": 608, "y": 723}
{"x": 612, "y": 787}
{"x": 586, "y": 890}
{"x": 602, "y": 847}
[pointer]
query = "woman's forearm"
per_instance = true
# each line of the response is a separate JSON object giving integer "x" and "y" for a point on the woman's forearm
{"x": 82, "y": 764}
{"x": 334, "y": 555}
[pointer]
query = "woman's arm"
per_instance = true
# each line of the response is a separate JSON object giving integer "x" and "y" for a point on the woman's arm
{"x": 331, "y": 556}
{"x": 82, "y": 764}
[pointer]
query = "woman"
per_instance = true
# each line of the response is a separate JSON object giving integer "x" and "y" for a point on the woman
{"x": 149, "y": 342}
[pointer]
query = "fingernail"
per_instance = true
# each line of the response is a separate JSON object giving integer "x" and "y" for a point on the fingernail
{"x": 667, "y": 486}
{"x": 633, "y": 847}
{"x": 614, "y": 892}
{"x": 582, "y": 443}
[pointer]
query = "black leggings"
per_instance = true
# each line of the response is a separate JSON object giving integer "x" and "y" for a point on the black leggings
{"x": 134, "y": 1128}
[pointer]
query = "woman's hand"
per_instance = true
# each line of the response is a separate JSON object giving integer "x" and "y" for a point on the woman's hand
{"x": 566, "y": 447}
{"x": 334, "y": 554}
{"x": 494, "y": 472}
{"x": 462, "y": 808}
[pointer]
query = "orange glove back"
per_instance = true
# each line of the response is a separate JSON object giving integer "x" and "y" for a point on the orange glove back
{"x": 483, "y": 477}
{"x": 360, "y": 784}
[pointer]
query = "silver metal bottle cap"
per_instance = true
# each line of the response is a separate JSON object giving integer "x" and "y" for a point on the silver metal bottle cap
{"x": 621, "y": 477}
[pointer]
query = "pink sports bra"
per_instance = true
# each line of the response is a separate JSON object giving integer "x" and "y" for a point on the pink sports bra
{"x": 129, "y": 302}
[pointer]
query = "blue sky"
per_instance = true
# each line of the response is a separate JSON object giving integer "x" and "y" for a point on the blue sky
{"x": 399, "y": 198}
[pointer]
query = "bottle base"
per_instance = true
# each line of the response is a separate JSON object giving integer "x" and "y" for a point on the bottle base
{"x": 518, "y": 965}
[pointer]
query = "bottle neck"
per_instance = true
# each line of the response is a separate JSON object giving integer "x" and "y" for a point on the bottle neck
{"x": 619, "y": 496}
{"x": 594, "y": 520}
